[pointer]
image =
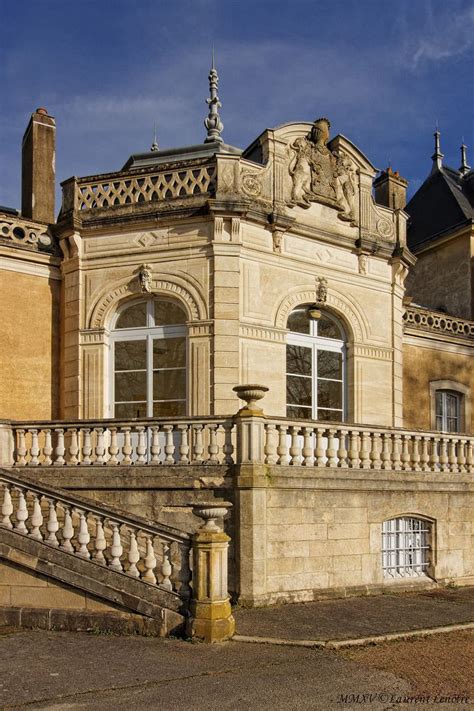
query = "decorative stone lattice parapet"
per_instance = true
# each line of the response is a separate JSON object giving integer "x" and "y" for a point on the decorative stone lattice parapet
{"x": 112, "y": 191}
{"x": 437, "y": 322}
{"x": 24, "y": 233}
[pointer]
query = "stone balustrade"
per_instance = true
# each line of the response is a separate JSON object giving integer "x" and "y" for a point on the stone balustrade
{"x": 25, "y": 233}
{"x": 154, "y": 553}
{"x": 249, "y": 437}
{"x": 106, "y": 191}
{"x": 350, "y": 446}
{"x": 183, "y": 441}
{"x": 437, "y": 322}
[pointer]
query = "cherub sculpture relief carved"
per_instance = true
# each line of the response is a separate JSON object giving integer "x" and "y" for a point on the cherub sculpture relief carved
{"x": 145, "y": 279}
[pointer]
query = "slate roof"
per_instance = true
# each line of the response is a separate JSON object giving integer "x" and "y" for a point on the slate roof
{"x": 444, "y": 202}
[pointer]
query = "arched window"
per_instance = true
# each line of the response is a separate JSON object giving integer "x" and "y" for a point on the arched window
{"x": 149, "y": 360}
{"x": 315, "y": 367}
{"x": 406, "y": 547}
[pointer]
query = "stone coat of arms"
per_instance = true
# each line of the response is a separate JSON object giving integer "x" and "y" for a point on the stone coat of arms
{"x": 319, "y": 175}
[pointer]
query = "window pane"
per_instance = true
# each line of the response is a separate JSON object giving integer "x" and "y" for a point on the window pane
{"x": 130, "y": 355}
{"x": 169, "y": 352}
{"x": 328, "y": 328}
{"x": 298, "y": 321}
{"x": 168, "y": 313}
{"x": 133, "y": 317}
{"x": 329, "y": 365}
{"x": 332, "y": 415}
{"x": 451, "y": 405}
{"x": 329, "y": 394}
{"x": 169, "y": 409}
{"x": 130, "y": 386}
{"x": 298, "y": 391}
{"x": 127, "y": 410}
{"x": 169, "y": 385}
{"x": 439, "y": 403}
{"x": 298, "y": 360}
{"x": 299, "y": 413}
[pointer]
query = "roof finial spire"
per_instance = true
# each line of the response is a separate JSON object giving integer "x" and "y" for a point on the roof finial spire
{"x": 464, "y": 167}
{"x": 437, "y": 156}
{"x": 154, "y": 145}
{"x": 213, "y": 122}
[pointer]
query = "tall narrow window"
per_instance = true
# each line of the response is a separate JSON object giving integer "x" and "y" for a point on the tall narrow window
{"x": 448, "y": 410}
{"x": 315, "y": 365}
{"x": 405, "y": 547}
{"x": 149, "y": 360}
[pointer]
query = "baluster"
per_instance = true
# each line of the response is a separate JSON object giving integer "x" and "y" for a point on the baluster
{"x": 166, "y": 568}
{"x": 116, "y": 548}
{"x": 100, "y": 446}
{"x": 282, "y": 449}
{"x": 169, "y": 446}
{"x": 320, "y": 450}
{"x": 86, "y": 447}
{"x": 270, "y": 447}
{"x": 443, "y": 455}
{"x": 133, "y": 556}
{"x": 331, "y": 448}
{"x": 213, "y": 448}
{"x": 7, "y": 507}
{"x": 405, "y": 455}
{"x": 365, "y": 450}
{"x": 155, "y": 445}
{"x": 295, "y": 448}
{"x": 354, "y": 461}
{"x": 100, "y": 543}
{"x": 141, "y": 445}
{"x": 52, "y": 525}
{"x": 228, "y": 446}
{"x": 462, "y": 455}
{"x": 83, "y": 535}
{"x": 36, "y": 519}
{"x": 424, "y": 456}
{"x": 396, "y": 461}
{"x": 452, "y": 458}
{"x": 181, "y": 574}
{"x": 34, "y": 449}
{"x": 434, "y": 457}
{"x": 21, "y": 512}
{"x": 469, "y": 456}
{"x": 67, "y": 532}
{"x": 385, "y": 456}
{"x": 47, "y": 449}
{"x": 60, "y": 449}
{"x": 308, "y": 451}
{"x": 20, "y": 449}
{"x": 150, "y": 562}
{"x": 342, "y": 449}
{"x": 127, "y": 446}
{"x": 415, "y": 453}
{"x": 73, "y": 449}
{"x": 184, "y": 444}
{"x": 376, "y": 462}
{"x": 198, "y": 445}
{"x": 113, "y": 447}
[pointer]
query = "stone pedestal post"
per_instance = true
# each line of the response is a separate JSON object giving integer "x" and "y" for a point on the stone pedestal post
{"x": 6, "y": 445}
{"x": 211, "y": 616}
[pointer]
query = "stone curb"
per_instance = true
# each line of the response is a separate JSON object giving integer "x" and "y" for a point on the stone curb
{"x": 356, "y": 642}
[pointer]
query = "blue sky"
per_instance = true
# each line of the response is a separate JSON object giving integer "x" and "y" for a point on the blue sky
{"x": 382, "y": 71}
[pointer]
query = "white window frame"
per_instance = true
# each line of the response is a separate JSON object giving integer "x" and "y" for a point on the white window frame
{"x": 148, "y": 333}
{"x": 464, "y": 402}
{"x": 320, "y": 343}
{"x": 406, "y": 547}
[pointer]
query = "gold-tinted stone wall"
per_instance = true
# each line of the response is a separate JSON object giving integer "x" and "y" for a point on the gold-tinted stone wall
{"x": 29, "y": 347}
{"x": 423, "y": 364}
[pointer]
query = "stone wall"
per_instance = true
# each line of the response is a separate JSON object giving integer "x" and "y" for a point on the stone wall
{"x": 29, "y": 346}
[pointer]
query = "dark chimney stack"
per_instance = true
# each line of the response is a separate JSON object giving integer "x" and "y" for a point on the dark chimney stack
{"x": 38, "y": 168}
{"x": 391, "y": 189}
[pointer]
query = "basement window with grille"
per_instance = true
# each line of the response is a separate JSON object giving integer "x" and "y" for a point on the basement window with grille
{"x": 406, "y": 549}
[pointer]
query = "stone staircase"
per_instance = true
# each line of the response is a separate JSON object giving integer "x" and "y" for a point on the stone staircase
{"x": 67, "y": 562}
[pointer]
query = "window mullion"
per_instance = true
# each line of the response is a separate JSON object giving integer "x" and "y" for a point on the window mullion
{"x": 149, "y": 385}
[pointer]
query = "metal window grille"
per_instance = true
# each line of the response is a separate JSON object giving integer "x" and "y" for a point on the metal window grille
{"x": 405, "y": 547}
